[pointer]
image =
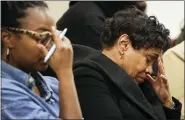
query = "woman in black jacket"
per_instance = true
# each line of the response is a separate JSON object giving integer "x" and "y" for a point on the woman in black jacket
{"x": 118, "y": 83}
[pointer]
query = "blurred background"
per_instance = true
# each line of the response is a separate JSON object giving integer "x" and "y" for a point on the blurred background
{"x": 170, "y": 13}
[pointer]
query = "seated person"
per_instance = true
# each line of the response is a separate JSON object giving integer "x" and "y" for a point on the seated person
{"x": 110, "y": 83}
{"x": 27, "y": 33}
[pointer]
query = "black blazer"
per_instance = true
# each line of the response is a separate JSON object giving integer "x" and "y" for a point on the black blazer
{"x": 80, "y": 52}
{"x": 84, "y": 21}
{"x": 106, "y": 92}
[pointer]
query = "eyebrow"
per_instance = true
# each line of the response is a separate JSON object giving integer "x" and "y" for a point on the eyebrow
{"x": 43, "y": 29}
{"x": 154, "y": 55}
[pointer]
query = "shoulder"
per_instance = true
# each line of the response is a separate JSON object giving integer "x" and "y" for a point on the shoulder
{"x": 14, "y": 93}
{"x": 95, "y": 64}
{"x": 20, "y": 102}
{"x": 86, "y": 68}
{"x": 12, "y": 85}
{"x": 13, "y": 90}
{"x": 91, "y": 76}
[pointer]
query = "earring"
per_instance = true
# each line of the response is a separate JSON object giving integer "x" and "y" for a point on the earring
{"x": 121, "y": 56}
{"x": 7, "y": 51}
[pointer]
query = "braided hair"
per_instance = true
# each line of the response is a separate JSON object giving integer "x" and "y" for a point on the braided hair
{"x": 11, "y": 11}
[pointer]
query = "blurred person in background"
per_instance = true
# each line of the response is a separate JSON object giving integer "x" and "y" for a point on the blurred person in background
{"x": 180, "y": 37}
{"x": 85, "y": 19}
{"x": 174, "y": 66}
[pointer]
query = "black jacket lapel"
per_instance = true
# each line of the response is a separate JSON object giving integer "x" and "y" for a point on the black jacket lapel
{"x": 127, "y": 85}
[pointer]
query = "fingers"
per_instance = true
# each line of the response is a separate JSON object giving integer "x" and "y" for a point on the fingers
{"x": 43, "y": 50}
{"x": 160, "y": 59}
{"x": 60, "y": 41}
{"x": 151, "y": 80}
{"x": 161, "y": 74}
{"x": 67, "y": 45}
{"x": 164, "y": 78}
{"x": 156, "y": 81}
{"x": 164, "y": 81}
{"x": 66, "y": 40}
{"x": 160, "y": 66}
{"x": 56, "y": 39}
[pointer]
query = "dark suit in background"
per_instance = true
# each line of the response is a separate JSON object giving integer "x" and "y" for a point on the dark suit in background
{"x": 106, "y": 92}
{"x": 85, "y": 20}
{"x": 79, "y": 53}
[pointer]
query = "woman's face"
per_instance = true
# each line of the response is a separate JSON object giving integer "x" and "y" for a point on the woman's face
{"x": 138, "y": 63}
{"x": 141, "y": 62}
{"x": 24, "y": 52}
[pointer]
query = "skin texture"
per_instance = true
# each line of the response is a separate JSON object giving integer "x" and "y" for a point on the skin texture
{"x": 24, "y": 53}
{"x": 138, "y": 64}
{"x": 27, "y": 54}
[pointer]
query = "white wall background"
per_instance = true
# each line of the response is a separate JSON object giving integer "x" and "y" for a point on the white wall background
{"x": 170, "y": 13}
{"x": 57, "y": 8}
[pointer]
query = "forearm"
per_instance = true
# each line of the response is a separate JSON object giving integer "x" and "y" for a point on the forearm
{"x": 69, "y": 103}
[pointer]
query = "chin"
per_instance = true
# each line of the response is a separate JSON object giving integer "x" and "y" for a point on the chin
{"x": 139, "y": 80}
{"x": 42, "y": 67}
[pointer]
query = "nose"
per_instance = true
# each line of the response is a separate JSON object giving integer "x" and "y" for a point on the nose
{"x": 149, "y": 70}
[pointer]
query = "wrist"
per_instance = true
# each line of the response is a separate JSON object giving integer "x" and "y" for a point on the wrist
{"x": 64, "y": 71}
{"x": 169, "y": 104}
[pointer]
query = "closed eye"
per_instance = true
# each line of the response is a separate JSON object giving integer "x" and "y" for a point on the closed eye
{"x": 150, "y": 59}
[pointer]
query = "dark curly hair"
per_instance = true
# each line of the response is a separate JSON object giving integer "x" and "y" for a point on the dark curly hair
{"x": 143, "y": 31}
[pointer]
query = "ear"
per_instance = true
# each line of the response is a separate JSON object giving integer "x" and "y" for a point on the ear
{"x": 7, "y": 39}
{"x": 123, "y": 43}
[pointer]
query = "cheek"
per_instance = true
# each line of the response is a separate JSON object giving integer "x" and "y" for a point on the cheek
{"x": 29, "y": 50}
{"x": 141, "y": 65}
